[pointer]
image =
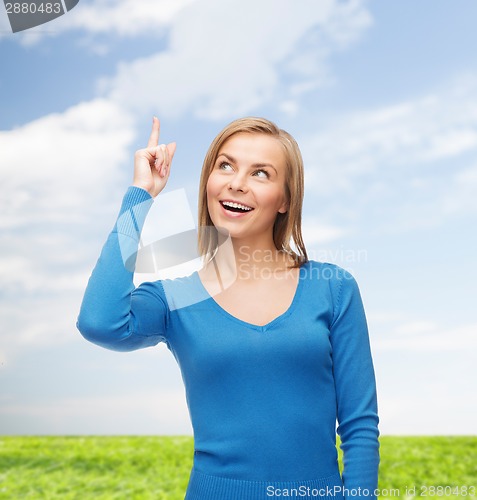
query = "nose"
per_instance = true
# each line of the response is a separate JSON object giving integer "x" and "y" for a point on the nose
{"x": 238, "y": 182}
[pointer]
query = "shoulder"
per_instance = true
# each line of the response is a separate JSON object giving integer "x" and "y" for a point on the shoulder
{"x": 337, "y": 280}
{"x": 317, "y": 270}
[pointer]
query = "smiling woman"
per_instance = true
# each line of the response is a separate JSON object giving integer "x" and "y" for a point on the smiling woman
{"x": 258, "y": 150}
{"x": 273, "y": 348}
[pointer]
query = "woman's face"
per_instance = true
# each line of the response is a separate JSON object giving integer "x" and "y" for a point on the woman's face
{"x": 246, "y": 186}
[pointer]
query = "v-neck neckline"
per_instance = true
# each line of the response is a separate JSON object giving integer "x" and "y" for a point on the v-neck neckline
{"x": 270, "y": 324}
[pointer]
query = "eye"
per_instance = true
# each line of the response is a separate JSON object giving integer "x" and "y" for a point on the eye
{"x": 263, "y": 173}
{"x": 225, "y": 166}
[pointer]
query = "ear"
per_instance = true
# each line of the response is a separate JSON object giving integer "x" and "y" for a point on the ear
{"x": 284, "y": 208}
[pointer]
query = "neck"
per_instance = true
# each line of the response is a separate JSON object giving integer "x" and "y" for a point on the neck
{"x": 245, "y": 260}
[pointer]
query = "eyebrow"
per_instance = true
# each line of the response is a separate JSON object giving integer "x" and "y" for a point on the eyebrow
{"x": 255, "y": 165}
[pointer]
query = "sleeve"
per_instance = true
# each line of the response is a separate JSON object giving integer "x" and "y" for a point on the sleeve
{"x": 355, "y": 385}
{"x": 114, "y": 314}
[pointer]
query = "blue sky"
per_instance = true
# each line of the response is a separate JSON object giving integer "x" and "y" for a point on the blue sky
{"x": 382, "y": 98}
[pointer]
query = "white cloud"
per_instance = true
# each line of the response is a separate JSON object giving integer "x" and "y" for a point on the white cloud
{"x": 460, "y": 197}
{"x": 160, "y": 411}
{"x": 424, "y": 373}
{"x": 400, "y": 137}
{"x": 410, "y": 159}
{"x": 317, "y": 233}
{"x": 422, "y": 336}
{"x": 432, "y": 411}
{"x": 224, "y": 62}
{"x": 58, "y": 174}
{"x": 35, "y": 321}
{"x": 124, "y": 18}
{"x": 50, "y": 164}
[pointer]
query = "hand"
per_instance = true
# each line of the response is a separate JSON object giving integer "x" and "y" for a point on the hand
{"x": 152, "y": 164}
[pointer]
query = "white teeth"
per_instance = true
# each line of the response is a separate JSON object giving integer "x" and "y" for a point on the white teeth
{"x": 236, "y": 205}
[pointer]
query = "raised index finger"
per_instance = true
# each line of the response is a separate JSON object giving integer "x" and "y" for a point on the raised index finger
{"x": 154, "y": 137}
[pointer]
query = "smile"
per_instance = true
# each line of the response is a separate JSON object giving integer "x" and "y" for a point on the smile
{"x": 233, "y": 206}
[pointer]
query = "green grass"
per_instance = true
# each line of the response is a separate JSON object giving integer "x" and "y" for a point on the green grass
{"x": 158, "y": 468}
{"x": 95, "y": 467}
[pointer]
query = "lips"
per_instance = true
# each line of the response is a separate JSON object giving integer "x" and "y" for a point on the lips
{"x": 233, "y": 210}
{"x": 235, "y": 206}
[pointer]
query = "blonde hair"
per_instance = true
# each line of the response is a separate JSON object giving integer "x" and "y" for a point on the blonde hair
{"x": 287, "y": 226}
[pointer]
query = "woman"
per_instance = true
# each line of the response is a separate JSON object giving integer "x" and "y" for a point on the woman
{"x": 273, "y": 347}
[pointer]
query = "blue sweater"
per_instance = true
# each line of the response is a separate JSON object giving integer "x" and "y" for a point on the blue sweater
{"x": 264, "y": 401}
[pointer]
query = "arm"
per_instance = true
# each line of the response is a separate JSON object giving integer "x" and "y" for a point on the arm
{"x": 355, "y": 384}
{"x": 114, "y": 314}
